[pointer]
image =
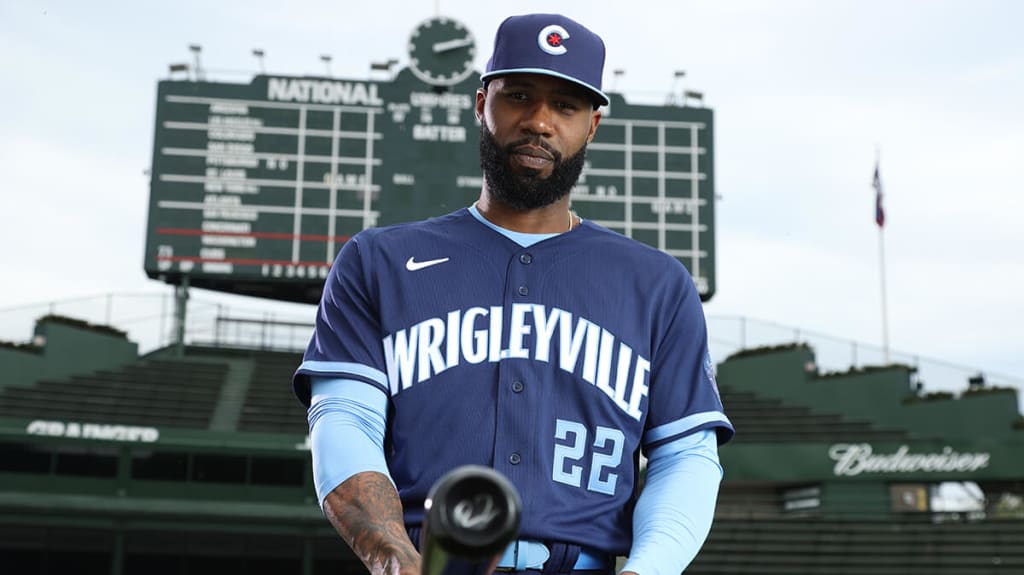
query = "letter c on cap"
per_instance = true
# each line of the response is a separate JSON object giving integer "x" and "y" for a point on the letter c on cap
{"x": 550, "y": 39}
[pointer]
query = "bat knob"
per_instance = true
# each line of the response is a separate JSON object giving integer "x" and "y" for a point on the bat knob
{"x": 473, "y": 512}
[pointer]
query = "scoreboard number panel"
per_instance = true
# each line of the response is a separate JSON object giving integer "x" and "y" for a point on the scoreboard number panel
{"x": 649, "y": 176}
{"x": 255, "y": 187}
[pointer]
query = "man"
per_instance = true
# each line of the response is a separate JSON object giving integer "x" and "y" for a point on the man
{"x": 515, "y": 334}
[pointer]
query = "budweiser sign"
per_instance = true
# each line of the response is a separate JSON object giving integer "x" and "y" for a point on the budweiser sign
{"x": 855, "y": 458}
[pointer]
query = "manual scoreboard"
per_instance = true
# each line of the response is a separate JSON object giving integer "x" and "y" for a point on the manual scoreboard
{"x": 255, "y": 187}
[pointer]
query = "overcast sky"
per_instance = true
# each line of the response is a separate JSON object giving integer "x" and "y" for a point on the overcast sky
{"x": 804, "y": 93}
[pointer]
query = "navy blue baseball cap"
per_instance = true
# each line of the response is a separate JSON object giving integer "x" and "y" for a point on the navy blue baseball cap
{"x": 548, "y": 44}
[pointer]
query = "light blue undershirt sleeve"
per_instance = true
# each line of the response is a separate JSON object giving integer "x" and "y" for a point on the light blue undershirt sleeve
{"x": 523, "y": 239}
{"x": 674, "y": 512}
{"x": 346, "y": 431}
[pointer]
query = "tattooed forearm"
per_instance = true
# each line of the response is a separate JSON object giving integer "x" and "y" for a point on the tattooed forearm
{"x": 366, "y": 512}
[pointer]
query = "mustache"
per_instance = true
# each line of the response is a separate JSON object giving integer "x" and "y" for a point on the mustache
{"x": 534, "y": 141}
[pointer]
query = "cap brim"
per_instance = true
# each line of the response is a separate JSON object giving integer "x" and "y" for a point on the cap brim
{"x": 599, "y": 96}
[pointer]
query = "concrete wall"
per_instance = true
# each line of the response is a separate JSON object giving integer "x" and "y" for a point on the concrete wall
{"x": 65, "y": 347}
{"x": 881, "y": 395}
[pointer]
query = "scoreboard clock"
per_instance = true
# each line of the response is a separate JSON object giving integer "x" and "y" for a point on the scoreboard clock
{"x": 441, "y": 52}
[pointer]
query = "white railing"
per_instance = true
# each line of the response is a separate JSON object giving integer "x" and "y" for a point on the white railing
{"x": 149, "y": 319}
{"x": 730, "y": 334}
{"x": 233, "y": 321}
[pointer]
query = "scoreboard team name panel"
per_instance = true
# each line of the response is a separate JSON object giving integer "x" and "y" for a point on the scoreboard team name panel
{"x": 256, "y": 186}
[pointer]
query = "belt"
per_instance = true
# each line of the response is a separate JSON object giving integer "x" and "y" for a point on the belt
{"x": 523, "y": 554}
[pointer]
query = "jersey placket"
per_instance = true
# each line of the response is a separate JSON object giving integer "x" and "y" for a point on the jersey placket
{"x": 515, "y": 413}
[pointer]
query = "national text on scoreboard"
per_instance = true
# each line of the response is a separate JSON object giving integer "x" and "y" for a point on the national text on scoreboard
{"x": 255, "y": 187}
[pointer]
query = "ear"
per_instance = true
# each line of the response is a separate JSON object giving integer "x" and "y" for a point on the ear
{"x": 481, "y": 99}
{"x": 595, "y": 119}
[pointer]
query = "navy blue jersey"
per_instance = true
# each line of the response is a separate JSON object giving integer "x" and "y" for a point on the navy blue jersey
{"x": 555, "y": 364}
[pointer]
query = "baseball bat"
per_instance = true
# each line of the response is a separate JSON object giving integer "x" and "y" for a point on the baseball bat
{"x": 472, "y": 515}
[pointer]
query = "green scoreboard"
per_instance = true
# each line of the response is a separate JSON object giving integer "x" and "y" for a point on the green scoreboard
{"x": 255, "y": 187}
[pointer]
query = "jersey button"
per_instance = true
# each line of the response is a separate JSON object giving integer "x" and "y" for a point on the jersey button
{"x": 525, "y": 259}
{"x": 523, "y": 290}
{"x": 514, "y": 459}
{"x": 517, "y": 386}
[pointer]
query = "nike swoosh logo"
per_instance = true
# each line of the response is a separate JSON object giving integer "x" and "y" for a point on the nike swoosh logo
{"x": 413, "y": 265}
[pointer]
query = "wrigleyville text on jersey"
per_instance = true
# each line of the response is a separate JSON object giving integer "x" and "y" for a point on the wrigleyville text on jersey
{"x": 535, "y": 332}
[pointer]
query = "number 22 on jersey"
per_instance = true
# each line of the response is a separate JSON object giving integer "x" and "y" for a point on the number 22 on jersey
{"x": 571, "y": 447}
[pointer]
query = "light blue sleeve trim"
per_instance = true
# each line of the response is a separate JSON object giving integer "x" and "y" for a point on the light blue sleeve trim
{"x": 334, "y": 367}
{"x": 324, "y": 388}
{"x": 347, "y": 419}
{"x": 674, "y": 513}
{"x": 681, "y": 426}
{"x": 523, "y": 239}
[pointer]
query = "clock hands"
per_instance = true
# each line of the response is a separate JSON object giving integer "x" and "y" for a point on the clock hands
{"x": 441, "y": 52}
{"x": 452, "y": 44}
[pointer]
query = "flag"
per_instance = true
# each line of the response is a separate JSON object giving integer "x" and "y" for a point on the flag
{"x": 879, "y": 211}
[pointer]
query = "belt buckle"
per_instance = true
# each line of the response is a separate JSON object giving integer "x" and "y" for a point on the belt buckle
{"x": 522, "y": 555}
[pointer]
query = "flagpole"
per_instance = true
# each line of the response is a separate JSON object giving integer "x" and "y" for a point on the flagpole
{"x": 880, "y": 220}
{"x": 885, "y": 312}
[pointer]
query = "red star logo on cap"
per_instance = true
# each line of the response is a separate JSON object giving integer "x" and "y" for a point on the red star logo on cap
{"x": 554, "y": 39}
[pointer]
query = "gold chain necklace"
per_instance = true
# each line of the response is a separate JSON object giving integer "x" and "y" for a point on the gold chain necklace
{"x": 567, "y": 212}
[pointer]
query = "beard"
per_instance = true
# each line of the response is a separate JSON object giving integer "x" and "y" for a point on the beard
{"x": 528, "y": 190}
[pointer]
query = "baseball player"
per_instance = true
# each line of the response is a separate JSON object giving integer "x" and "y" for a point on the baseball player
{"x": 513, "y": 333}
